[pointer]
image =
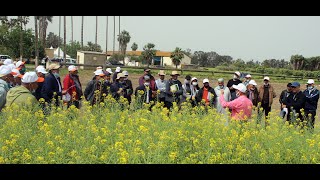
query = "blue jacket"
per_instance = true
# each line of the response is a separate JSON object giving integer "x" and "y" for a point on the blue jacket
{"x": 311, "y": 99}
{"x": 51, "y": 86}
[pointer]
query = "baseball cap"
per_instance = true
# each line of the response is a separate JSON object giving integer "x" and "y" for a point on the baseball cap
{"x": 118, "y": 69}
{"x": 19, "y": 63}
{"x": 125, "y": 73}
{"x": 120, "y": 75}
{"x": 109, "y": 70}
{"x": 237, "y": 73}
{"x": 266, "y": 78}
{"x": 31, "y": 77}
{"x": 295, "y": 84}
{"x": 146, "y": 69}
{"x": 4, "y": 70}
{"x": 7, "y": 62}
{"x": 241, "y": 87}
{"x": 194, "y": 78}
{"x": 99, "y": 72}
{"x": 253, "y": 82}
{"x": 72, "y": 68}
{"x": 16, "y": 73}
{"x": 41, "y": 69}
{"x": 248, "y": 76}
{"x": 310, "y": 81}
{"x": 205, "y": 81}
{"x": 220, "y": 80}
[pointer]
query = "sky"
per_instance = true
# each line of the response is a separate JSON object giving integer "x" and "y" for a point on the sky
{"x": 244, "y": 37}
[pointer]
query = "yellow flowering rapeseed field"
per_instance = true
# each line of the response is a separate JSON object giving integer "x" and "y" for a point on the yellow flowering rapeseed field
{"x": 114, "y": 132}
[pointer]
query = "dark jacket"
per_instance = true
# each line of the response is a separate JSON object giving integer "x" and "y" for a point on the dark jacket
{"x": 38, "y": 93}
{"x": 229, "y": 85}
{"x": 283, "y": 96}
{"x": 51, "y": 86}
{"x": 129, "y": 89}
{"x": 213, "y": 93}
{"x": 297, "y": 102}
{"x": 173, "y": 97}
{"x": 108, "y": 87}
{"x": 256, "y": 98}
{"x": 311, "y": 99}
{"x": 115, "y": 88}
{"x": 92, "y": 86}
{"x": 144, "y": 96}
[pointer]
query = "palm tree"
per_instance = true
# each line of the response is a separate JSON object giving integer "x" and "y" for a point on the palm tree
{"x": 96, "y": 43}
{"x": 64, "y": 38}
{"x": 59, "y": 36}
{"x": 134, "y": 46}
{"x": 107, "y": 36}
{"x": 114, "y": 33}
{"x": 119, "y": 34}
{"x": 36, "y": 41}
{"x": 72, "y": 29}
{"x": 82, "y": 33}
{"x": 43, "y": 25}
{"x": 176, "y": 56}
{"x": 124, "y": 39}
{"x": 148, "y": 53}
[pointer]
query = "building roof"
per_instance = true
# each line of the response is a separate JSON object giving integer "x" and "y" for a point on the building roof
{"x": 91, "y": 52}
{"x": 138, "y": 53}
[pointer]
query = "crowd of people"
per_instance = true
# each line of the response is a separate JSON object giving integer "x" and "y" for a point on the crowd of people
{"x": 240, "y": 97}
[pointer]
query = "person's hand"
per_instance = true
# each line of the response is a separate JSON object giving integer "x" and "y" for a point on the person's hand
{"x": 64, "y": 92}
{"x": 193, "y": 98}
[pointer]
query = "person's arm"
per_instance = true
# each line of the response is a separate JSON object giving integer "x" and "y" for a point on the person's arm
{"x": 88, "y": 89}
{"x": 168, "y": 91}
{"x": 199, "y": 95}
{"x": 231, "y": 105}
{"x": 281, "y": 97}
{"x": 46, "y": 92}
{"x": 140, "y": 81}
{"x": 66, "y": 84}
{"x": 213, "y": 100}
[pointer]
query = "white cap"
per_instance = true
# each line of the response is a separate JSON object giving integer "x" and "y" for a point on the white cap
{"x": 98, "y": 68}
{"x": 42, "y": 70}
{"x": 7, "y": 62}
{"x": 253, "y": 82}
{"x": 248, "y": 76}
{"x": 241, "y": 87}
{"x": 99, "y": 72}
{"x": 30, "y": 77}
{"x": 194, "y": 78}
{"x": 39, "y": 67}
{"x": 266, "y": 78}
{"x": 238, "y": 73}
{"x": 4, "y": 70}
{"x": 15, "y": 73}
{"x": 12, "y": 66}
{"x": 310, "y": 81}
{"x": 205, "y": 81}
{"x": 19, "y": 63}
{"x": 109, "y": 70}
{"x": 125, "y": 73}
{"x": 72, "y": 68}
{"x": 118, "y": 69}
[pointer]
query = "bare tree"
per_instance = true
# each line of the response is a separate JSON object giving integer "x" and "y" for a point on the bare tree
{"x": 36, "y": 41}
{"x": 82, "y": 33}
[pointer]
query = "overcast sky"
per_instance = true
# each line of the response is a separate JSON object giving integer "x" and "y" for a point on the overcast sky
{"x": 244, "y": 37}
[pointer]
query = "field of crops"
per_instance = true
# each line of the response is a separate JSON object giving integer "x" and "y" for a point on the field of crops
{"x": 118, "y": 133}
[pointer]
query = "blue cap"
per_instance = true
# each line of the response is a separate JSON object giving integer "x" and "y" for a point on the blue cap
{"x": 295, "y": 84}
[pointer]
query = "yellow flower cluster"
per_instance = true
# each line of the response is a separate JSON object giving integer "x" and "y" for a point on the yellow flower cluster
{"x": 121, "y": 133}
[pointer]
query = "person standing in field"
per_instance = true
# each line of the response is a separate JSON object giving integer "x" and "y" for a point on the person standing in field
{"x": 114, "y": 77}
{"x": 146, "y": 93}
{"x": 234, "y": 81}
{"x": 266, "y": 95}
{"x": 52, "y": 88}
{"x": 241, "y": 106}
{"x": 107, "y": 82}
{"x": 118, "y": 88}
{"x": 227, "y": 95}
{"x": 253, "y": 93}
{"x": 285, "y": 94}
{"x": 128, "y": 84}
{"x": 95, "y": 88}
{"x": 247, "y": 79}
{"x": 161, "y": 86}
{"x": 312, "y": 98}
{"x": 5, "y": 79}
{"x": 294, "y": 103}
{"x": 173, "y": 90}
{"x": 207, "y": 94}
{"x": 22, "y": 94}
{"x": 72, "y": 88}
{"x": 186, "y": 89}
{"x": 41, "y": 72}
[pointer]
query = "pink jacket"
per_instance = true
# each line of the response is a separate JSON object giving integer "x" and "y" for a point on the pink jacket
{"x": 241, "y": 107}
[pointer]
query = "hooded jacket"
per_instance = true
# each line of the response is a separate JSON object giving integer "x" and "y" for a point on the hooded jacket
{"x": 20, "y": 95}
